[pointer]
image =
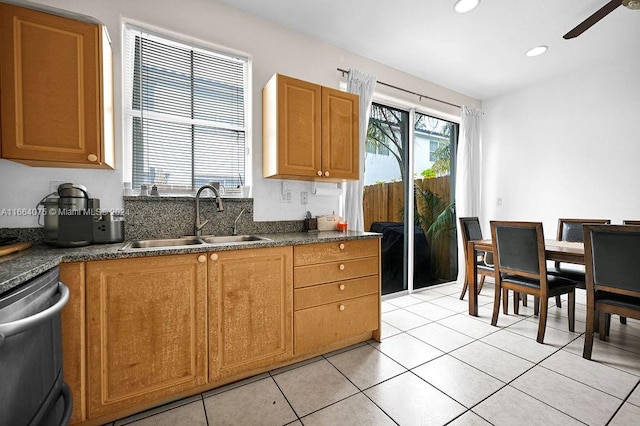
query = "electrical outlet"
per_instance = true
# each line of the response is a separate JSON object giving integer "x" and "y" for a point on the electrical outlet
{"x": 304, "y": 197}
{"x": 285, "y": 197}
{"x": 53, "y": 185}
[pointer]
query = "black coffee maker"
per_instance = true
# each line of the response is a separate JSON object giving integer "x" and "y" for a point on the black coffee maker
{"x": 74, "y": 219}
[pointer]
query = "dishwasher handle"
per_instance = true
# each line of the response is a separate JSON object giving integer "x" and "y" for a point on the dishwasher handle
{"x": 9, "y": 329}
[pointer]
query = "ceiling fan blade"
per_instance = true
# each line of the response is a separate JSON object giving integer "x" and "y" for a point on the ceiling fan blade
{"x": 591, "y": 20}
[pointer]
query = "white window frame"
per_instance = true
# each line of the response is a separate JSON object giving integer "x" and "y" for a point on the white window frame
{"x": 127, "y": 82}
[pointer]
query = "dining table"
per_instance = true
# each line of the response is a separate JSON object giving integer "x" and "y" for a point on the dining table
{"x": 557, "y": 251}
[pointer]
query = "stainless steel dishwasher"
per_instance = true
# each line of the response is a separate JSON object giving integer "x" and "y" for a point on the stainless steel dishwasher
{"x": 32, "y": 389}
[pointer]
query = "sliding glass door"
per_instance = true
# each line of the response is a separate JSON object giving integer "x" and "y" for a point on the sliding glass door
{"x": 411, "y": 153}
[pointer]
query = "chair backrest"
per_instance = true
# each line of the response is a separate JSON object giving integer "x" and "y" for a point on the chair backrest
{"x": 571, "y": 229}
{"x": 631, "y": 222}
{"x": 612, "y": 258}
{"x": 471, "y": 230}
{"x": 518, "y": 248}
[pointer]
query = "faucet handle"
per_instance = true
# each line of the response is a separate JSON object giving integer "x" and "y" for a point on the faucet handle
{"x": 198, "y": 228}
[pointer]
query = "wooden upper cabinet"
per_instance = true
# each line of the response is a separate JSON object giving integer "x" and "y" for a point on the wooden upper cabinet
{"x": 310, "y": 132}
{"x": 56, "y": 90}
{"x": 146, "y": 330}
{"x": 250, "y": 310}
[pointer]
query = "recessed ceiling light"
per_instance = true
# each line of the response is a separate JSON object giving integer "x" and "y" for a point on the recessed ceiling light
{"x": 464, "y": 6}
{"x": 538, "y": 50}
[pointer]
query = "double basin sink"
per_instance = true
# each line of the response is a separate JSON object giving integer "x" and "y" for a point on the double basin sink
{"x": 191, "y": 241}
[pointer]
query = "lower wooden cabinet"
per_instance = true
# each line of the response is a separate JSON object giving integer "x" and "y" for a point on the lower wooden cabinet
{"x": 139, "y": 331}
{"x": 250, "y": 309}
{"x": 146, "y": 334}
{"x": 337, "y": 294}
{"x": 73, "y": 322}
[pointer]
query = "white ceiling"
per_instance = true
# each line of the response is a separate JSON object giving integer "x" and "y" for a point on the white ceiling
{"x": 480, "y": 54}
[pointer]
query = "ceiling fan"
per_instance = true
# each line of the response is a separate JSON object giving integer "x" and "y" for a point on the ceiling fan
{"x": 598, "y": 15}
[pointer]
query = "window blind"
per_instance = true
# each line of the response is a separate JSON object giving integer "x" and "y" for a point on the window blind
{"x": 186, "y": 114}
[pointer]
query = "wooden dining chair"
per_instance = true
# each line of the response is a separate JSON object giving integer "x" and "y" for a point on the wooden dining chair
{"x": 471, "y": 231}
{"x": 521, "y": 265}
{"x": 612, "y": 261}
{"x": 570, "y": 230}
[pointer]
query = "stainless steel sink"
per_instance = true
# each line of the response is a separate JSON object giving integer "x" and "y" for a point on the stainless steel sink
{"x": 160, "y": 243}
{"x": 191, "y": 241}
{"x": 229, "y": 239}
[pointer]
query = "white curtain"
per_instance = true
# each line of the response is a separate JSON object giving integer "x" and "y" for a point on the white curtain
{"x": 361, "y": 84}
{"x": 468, "y": 173}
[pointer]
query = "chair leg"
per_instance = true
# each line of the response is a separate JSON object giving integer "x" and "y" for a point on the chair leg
{"x": 516, "y": 302}
{"x": 464, "y": 289}
{"x": 481, "y": 283}
{"x": 572, "y": 311}
{"x": 524, "y": 299}
{"x": 602, "y": 326}
{"x": 496, "y": 304}
{"x": 542, "y": 320}
{"x": 623, "y": 320}
{"x": 558, "y": 301}
{"x": 536, "y": 305}
{"x": 607, "y": 329}
{"x": 588, "y": 334}
{"x": 505, "y": 301}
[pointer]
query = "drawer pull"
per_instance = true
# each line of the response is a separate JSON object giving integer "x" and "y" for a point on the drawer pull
{"x": 341, "y": 287}
{"x": 326, "y": 174}
{"x": 342, "y": 266}
{"x": 342, "y": 307}
{"x": 319, "y": 173}
{"x": 341, "y": 246}
{"x": 213, "y": 256}
{"x": 202, "y": 258}
{"x": 92, "y": 157}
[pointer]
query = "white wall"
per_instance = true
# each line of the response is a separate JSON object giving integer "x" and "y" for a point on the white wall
{"x": 272, "y": 48}
{"x": 567, "y": 147}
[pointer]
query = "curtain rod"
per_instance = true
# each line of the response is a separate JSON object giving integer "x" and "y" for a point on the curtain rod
{"x": 406, "y": 91}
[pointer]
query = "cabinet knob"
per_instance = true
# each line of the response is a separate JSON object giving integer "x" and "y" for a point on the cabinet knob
{"x": 202, "y": 258}
{"x": 341, "y": 246}
{"x": 319, "y": 172}
{"x": 341, "y": 266}
{"x": 92, "y": 157}
{"x": 213, "y": 256}
{"x": 326, "y": 174}
{"x": 341, "y": 287}
{"x": 341, "y": 307}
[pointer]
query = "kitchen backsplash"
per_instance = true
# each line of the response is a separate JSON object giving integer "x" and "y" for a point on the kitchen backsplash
{"x": 173, "y": 217}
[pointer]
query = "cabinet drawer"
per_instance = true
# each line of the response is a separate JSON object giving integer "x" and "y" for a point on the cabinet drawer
{"x": 304, "y": 276}
{"x": 327, "y": 324}
{"x": 308, "y": 297}
{"x": 336, "y": 250}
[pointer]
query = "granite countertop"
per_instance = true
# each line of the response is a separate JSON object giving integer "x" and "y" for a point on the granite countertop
{"x": 17, "y": 268}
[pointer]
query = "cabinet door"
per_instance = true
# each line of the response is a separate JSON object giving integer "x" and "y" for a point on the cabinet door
{"x": 299, "y": 112}
{"x": 250, "y": 309}
{"x": 340, "y": 133}
{"x": 291, "y": 128}
{"x": 146, "y": 330}
{"x": 73, "y": 337}
{"x": 51, "y": 100}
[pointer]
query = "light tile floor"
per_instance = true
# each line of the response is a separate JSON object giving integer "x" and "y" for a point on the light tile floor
{"x": 437, "y": 365}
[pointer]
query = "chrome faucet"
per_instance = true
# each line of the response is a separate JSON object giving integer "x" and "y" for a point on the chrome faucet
{"x": 235, "y": 223}
{"x": 197, "y": 229}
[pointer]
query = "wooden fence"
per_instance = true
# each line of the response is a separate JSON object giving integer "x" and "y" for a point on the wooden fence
{"x": 385, "y": 203}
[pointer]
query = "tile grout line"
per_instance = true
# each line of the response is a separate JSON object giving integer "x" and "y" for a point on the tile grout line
{"x": 505, "y": 384}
